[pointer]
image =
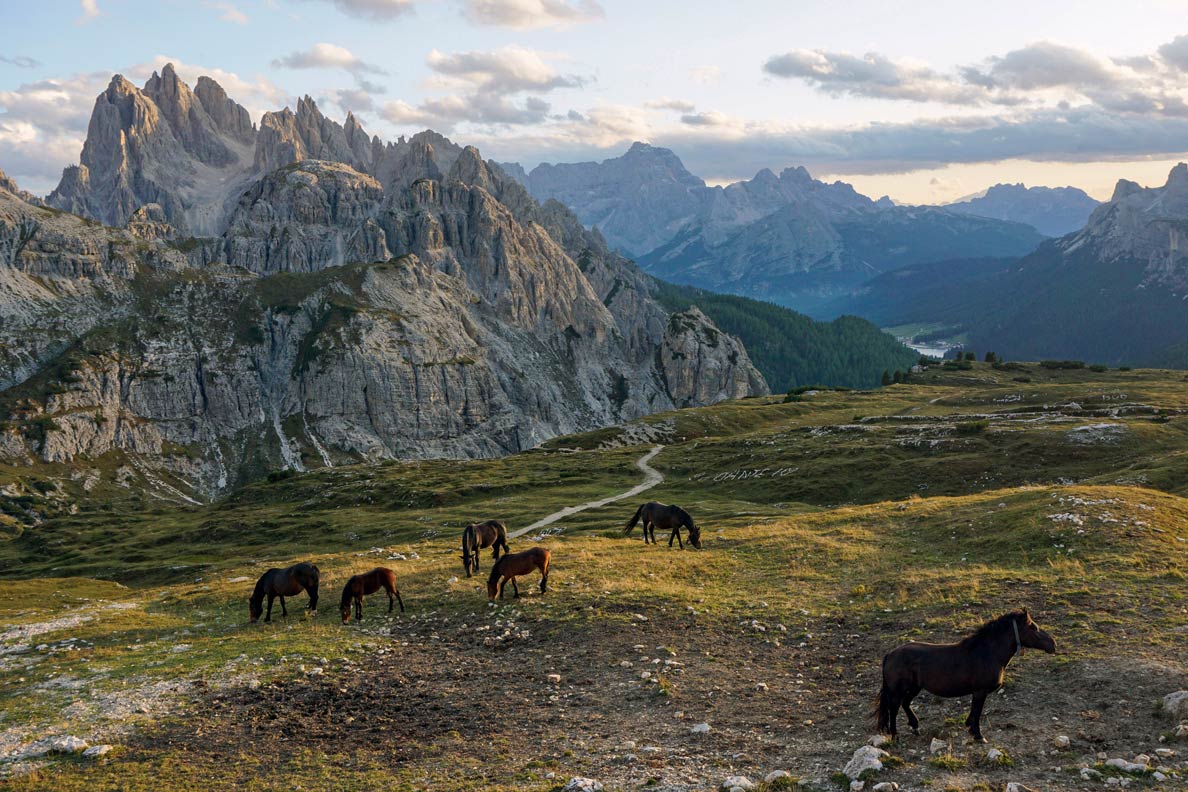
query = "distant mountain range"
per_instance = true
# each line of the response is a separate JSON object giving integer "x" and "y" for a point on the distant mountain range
{"x": 787, "y": 238}
{"x": 1113, "y": 292}
{"x": 1053, "y": 211}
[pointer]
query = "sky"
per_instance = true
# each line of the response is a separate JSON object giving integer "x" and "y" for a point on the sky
{"x": 925, "y": 101}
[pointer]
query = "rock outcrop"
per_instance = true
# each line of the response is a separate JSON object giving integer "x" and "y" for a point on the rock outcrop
{"x": 1053, "y": 211}
{"x": 427, "y": 308}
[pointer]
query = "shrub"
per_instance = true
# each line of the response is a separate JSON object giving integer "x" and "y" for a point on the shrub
{"x": 1098, "y": 368}
{"x": 1063, "y": 364}
{"x": 971, "y": 427}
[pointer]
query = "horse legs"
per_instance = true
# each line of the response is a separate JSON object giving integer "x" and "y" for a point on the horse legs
{"x": 396, "y": 591}
{"x": 515, "y": 589}
{"x": 649, "y": 531}
{"x": 358, "y": 603}
{"x": 390, "y": 598}
{"x": 284, "y": 611}
{"x": 313, "y": 599}
{"x": 503, "y": 585}
{"x": 544, "y": 580}
{"x": 268, "y": 615}
{"x": 913, "y": 721}
{"x": 975, "y": 717}
{"x": 676, "y": 532}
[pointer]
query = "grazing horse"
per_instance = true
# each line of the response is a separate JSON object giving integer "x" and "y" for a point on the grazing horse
{"x": 666, "y": 517}
{"x": 359, "y": 586}
{"x": 284, "y": 583}
{"x": 513, "y": 564}
{"x": 974, "y": 666}
{"x": 491, "y": 533}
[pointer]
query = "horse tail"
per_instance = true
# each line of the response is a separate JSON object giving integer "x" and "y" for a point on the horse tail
{"x": 635, "y": 519}
{"x": 884, "y": 705}
{"x": 501, "y": 539}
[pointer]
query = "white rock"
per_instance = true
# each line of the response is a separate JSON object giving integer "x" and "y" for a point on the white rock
{"x": 776, "y": 775}
{"x": 886, "y": 786}
{"x": 67, "y": 744}
{"x": 865, "y": 758}
{"x": 315, "y": 671}
{"x": 761, "y": 687}
{"x": 579, "y": 784}
{"x": 1125, "y": 766}
{"x": 628, "y": 745}
{"x": 857, "y": 786}
{"x": 701, "y": 728}
{"x": 1176, "y": 704}
{"x": 1014, "y": 787}
{"x": 452, "y": 580}
{"x": 1143, "y": 759}
{"x": 994, "y": 754}
{"x": 937, "y": 746}
{"x": 1165, "y": 753}
{"x": 736, "y": 782}
{"x": 1061, "y": 741}
{"x": 879, "y": 740}
{"x": 554, "y": 678}
{"x": 96, "y": 751}
{"x": 1158, "y": 776}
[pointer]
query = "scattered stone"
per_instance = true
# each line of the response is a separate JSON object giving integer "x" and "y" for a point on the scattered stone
{"x": 452, "y": 580}
{"x": 315, "y": 671}
{"x": 1125, "y": 766}
{"x": 1014, "y": 787}
{"x": 1061, "y": 741}
{"x": 628, "y": 745}
{"x": 761, "y": 687}
{"x": 579, "y": 784}
{"x": 701, "y": 728}
{"x": 1142, "y": 759}
{"x": 1158, "y": 776}
{"x": 736, "y": 784}
{"x": 1089, "y": 774}
{"x": 886, "y": 786}
{"x": 67, "y": 744}
{"x": 776, "y": 775}
{"x": 1176, "y": 704}
{"x": 879, "y": 740}
{"x": 994, "y": 754}
{"x": 937, "y": 746}
{"x": 95, "y": 751}
{"x": 183, "y": 647}
{"x": 554, "y": 678}
{"x": 865, "y": 758}
{"x": 857, "y": 786}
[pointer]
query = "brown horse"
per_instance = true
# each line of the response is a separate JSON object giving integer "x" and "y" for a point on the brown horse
{"x": 973, "y": 666}
{"x": 359, "y": 586}
{"x": 656, "y": 514}
{"x": 476, "y": 536}
{"x": 283, "y": 583}
{"x": 513, "y": 564}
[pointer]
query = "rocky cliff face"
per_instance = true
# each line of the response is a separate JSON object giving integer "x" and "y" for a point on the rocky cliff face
{"x": 428, "y": 308}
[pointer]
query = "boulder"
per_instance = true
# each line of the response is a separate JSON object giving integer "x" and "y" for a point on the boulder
{"x": 865, "y": 758}
{"x": 1176, "y": 704}
{"x": 735, "y": 783}
{"x": 937, "y": 746}
{"x": 579, "y": 784}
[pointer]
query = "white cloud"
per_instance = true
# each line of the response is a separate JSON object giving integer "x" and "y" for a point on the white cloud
{"x": 373, "y": 9}
{"x": 706, "y": 75}
{"x": 228, "y": 12}
{"x": 508, "y": 70}
{"x": 90, "y": 10}
{"x": 532, "y": 14}
{"x": 677, "y": 105}
{"x": 326, "y": 56}
{"x": 20, "y": 61}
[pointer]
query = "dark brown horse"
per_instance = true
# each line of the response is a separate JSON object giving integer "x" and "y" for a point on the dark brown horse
{"x": 476, "y": 536}
{"x": 513, "y": 564}
{"x": 283, "y": 583}
{"x": 973, "y": 666}
{"x": 666, "y": 518}
{"x": 359, "y": 586}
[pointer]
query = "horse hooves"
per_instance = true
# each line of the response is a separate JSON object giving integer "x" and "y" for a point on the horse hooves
{"x": 915, "y": 731}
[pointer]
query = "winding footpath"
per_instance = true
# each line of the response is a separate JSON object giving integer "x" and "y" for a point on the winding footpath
{"x": 652, "y": 477}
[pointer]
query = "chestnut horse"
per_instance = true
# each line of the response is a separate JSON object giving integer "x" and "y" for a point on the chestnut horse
{"x": 491, "y": 533}
{"x": 513, "y": 564}
{"x": 973, "y": 666}
{"x": 656, "y": 514}
{"x": 288, "y": 582}
{"x": 359, "y": 586}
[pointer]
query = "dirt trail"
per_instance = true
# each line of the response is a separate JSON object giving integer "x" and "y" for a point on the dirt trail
{"x": 652, "y": 478}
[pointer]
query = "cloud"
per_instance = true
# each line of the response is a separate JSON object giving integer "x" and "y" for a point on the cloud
{"x": 874, "y": 75}
{"x": 532, "y": 14}
{"x": 326, "y": 56}
{"x": 444, "y": 113}
{"x": 229, "y": 12}
{"x": 508, "y": 70}
{"x": 664, "y": 103}
{"x": 1175, "y": 52}
{"x": 1045, "y": 65}
{"x": 711, "y": 118}
{"x": 706, "y": 75}
{"x": 20, "y": 61}
{"x": 90, "y": 10}
{"x": 382, "y": 10}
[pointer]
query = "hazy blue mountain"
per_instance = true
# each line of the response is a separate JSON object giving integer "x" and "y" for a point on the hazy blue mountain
{"x": 1053, "y": 211}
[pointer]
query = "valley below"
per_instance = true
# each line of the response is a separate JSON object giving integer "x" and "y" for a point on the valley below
{"x": 835, "y": 525}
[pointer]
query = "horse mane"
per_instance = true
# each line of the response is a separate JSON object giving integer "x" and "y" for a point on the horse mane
{"x": 261, "y": 585}
{"x": 346, "y": 594}
{"x": 467, "y": 537}
{"x": 494, "y": 576}
{"x": 992, "y": 628}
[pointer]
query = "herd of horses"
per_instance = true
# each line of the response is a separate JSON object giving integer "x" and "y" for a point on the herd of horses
{"x": 974, "y": 666}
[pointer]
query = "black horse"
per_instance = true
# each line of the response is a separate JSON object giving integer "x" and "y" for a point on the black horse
{"x": 666, "y": 517}
{"x": 476, "y": 536}
{"x": 284, "y": 583}
{"x": 973, "y": 666}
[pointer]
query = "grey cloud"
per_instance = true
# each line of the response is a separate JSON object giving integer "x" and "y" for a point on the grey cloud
{"x": 1175, "y": 52}
{"x": 20, "y": 61}
{"x": 503, "y": 71}
{"x": 373, "y": 9}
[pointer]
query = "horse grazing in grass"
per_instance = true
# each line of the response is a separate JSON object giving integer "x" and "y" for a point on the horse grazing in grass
{"x": 283, "y": 583}
{"x": 491, "y": 533}
{"x": 973, "y": 666}
{"x": 359, "y": 586}
{"x": 513, "y": 564}
{"x": 672, "y": 518}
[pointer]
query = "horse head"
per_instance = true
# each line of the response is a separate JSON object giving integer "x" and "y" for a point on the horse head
{"x": 694, "y": 533}
{"x": 1030, "y": 635}
{"x": 255, "y": 609}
